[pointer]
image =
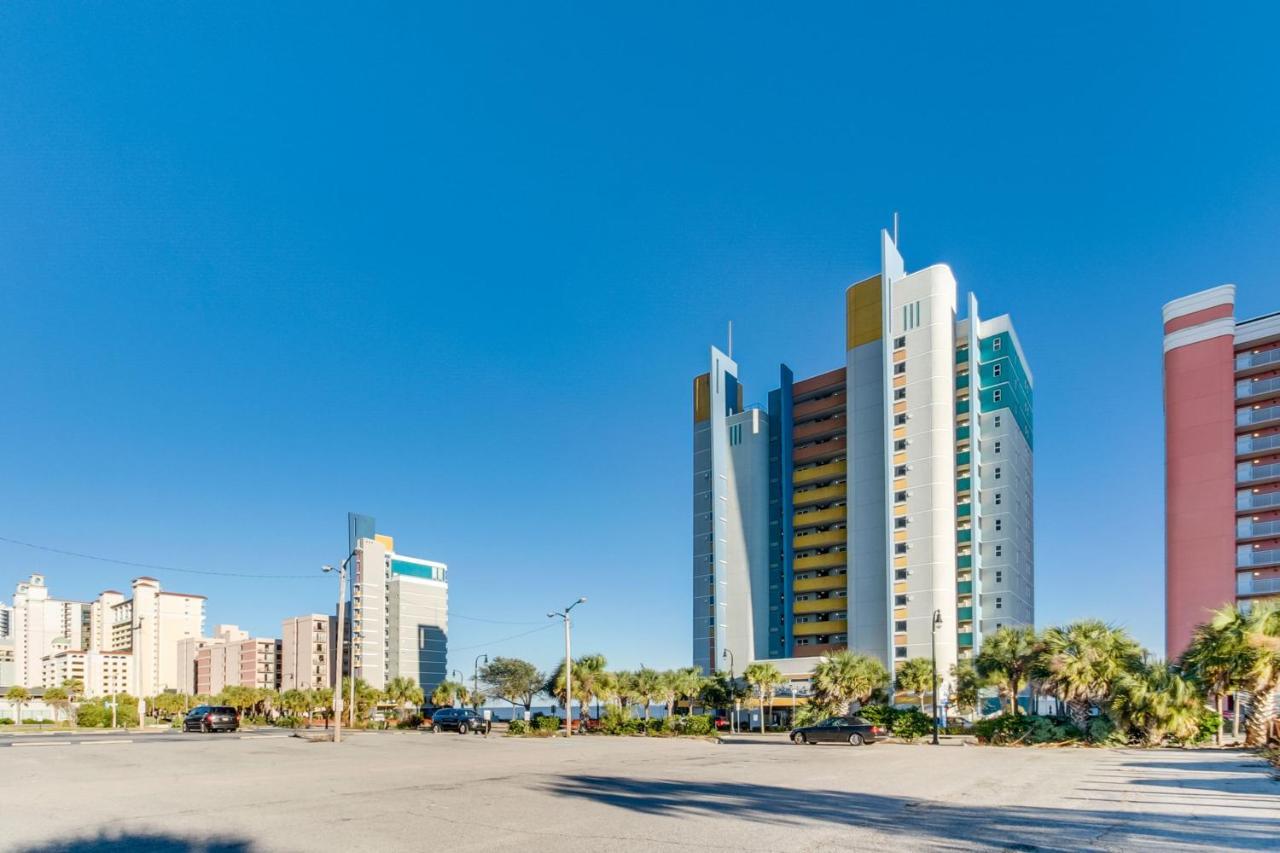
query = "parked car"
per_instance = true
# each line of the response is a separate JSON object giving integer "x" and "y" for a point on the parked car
{"x": 854, "y": 731}
{"x": 211, "y": 718}
{"x": 460, "y": 720}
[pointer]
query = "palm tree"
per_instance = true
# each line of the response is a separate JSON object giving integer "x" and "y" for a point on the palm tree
{"x": 1257, "y": 632}
{"x": 625, "y": 691}
{"x": 647, "y": 686}
{"x": 965, "y": 684}
{"x": 688, "y": 684}
{"x": 17, "y": 694}
{"x": 57, "y": 697}
{"x": 667, "y": 689}
{"x": 1218, "y": 660}
{"x": 321, "y": 699}
{"x": 765, "y": 678}
{"x": 1008, "y": 657}
{"x": 446, "y": 692}
{"x": 1157, "y": 703}
{"x": 916, "y": 676}
{"x": 402, "y": 691}
{"x": 1082, "y": 662}
{"x": 844, "y": 678}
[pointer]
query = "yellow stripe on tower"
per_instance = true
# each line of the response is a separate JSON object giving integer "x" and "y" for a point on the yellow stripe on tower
{"x": 862, "y": 313}
{"x": 701, "y": 398}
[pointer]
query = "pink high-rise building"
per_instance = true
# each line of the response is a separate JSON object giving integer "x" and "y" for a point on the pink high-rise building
{"x": 1222, "y": 460}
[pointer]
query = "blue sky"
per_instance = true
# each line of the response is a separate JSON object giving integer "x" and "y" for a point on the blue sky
{"x": 455, "y": 269}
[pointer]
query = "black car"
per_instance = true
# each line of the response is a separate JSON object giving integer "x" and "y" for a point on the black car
{"x": 211, "y": 718}
{"x": 460, "y": 720}
{"x": 854, "y": 731}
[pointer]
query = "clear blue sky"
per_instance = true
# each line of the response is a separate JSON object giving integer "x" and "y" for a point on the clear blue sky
{"x": 508, "y": 237}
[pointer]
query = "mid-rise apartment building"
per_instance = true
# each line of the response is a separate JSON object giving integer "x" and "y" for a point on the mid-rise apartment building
{"x": 6, "y": 620}
{"x": 870, "y": 497}
{"x": 149, "y": 625}
{"x": 39, "y": 624}
{"x": 306, "y": 657}
{"x": 399, "y": 615}
{"x": 101, "y": 673}
{"x": 234, "y": 659}
{"x": 1222, "y": 460}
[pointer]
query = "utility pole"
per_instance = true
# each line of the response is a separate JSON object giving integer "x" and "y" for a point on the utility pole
{"x": 733, "y": 723}
{"x": 475, "y": 677}
{"x": 568, "y": 665}
{"x": 337, "y": 691}
{"x": 933, "y": 653}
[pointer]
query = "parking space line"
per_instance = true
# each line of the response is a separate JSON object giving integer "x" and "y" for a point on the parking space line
{"x": 102, "y": 742}
{"x": 260, "y": 737}
{"x": 42, "y": 743}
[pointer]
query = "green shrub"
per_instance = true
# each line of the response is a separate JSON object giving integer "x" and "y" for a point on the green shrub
{"x": 290, "y": 722}
{"x": 879, "y": 715}
{"x": 1207, "y": 727}
{"x": 6, "y": 721}
{"x": 910, "y": 724}
{"x": 618, "y": 722}
{"x": 548, "y": 724}
{"x": 412, "y": 721}
{"x": 654, "y": 726}
{"x": 32, "y": 721}
{"x": 1104, "y": 732}
{"x": 808, "y": 715}
{"x": 517, "y": 727}
{"x": 698, "y": 726}
{"x": 1006, "y": 728}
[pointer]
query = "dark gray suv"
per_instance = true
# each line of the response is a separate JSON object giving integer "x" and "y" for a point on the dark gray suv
{"x": 211, "y": 718}
{"x": 460, "y": 720}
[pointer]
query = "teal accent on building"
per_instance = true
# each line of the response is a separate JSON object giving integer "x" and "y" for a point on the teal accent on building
{"x": 962, "y": 484}
{"x": 964, "y": 588}
{"x": 962, "y": 459}
{"x": 964, "y": 614}
{"x": 965, "y": 639}
{"x": 1012, "y": 383}
{"x": 964, "y": 561}
{"x": 416, "y": 570}
{"x": 962, "y": 355}
{"x": 962, "y": 381}
{"x": 962, "y": 433}
{"x": 963, "y": 510}
{"x": 964, "y": 535}
{"x": 962, "y": 407}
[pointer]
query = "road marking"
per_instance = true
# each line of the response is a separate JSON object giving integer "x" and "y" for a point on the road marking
{"x": 42, "y": 743}
{"x": 260, "y": 737}
{"x": 103, "y": 742}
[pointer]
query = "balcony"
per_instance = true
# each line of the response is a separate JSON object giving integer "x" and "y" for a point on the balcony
{"x": 964, "y": 588}
{"x": 962, "y": 433}
{"x": 1255, "y": 387}
{"x": 963, "y": 510}
{"x": 818, "y": 452}
{"x": 830, "y": 560}
{"x": 809, "y": 629}
{"x": 965, "y": 535}
{"x": 962, "y": 459}
{"x": 1247, "y": 360}
{"x": 832, "y": 515}
{"x": 1257, "y": 443}
{"x": 815, "y": 430}
{"x": 819, "y": 473}
{"x": 826, "y": 582}
{"x": 821, "y": 605}
{"x": 965, "y": 639}
{"x": 1249, "y": 417}
{"x": 1257, "y": 500}
{"x": 962, "y": 355}
{"x": 813, "y": 408}
{"x": 1247, "y": 528}
{"x": 963, "y": 484}
{"x": 1249, "y": 585}
{"x": 821, "y": 540}
{"x": 823, "y": 495}
{"x": 1253, "y": 473}
{"x": 962, "y": 407}
{"x": 964, "y": 614}
{"x": 964, "y": 561}
{"x": 1247, "y": 557}
{"x": 962, "y": 381}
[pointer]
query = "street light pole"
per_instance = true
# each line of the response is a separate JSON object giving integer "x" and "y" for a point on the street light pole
{"x": 461, "y": 682}
{"x": 568, "y": 666}
{"x": 337, "y": 691}
{"x": 475, "y": 676}
{"x": 933, "y": 653}
{"x": 733, "y": 723}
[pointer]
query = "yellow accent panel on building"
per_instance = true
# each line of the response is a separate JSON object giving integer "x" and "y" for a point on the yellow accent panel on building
{"x": 900, "y": 587}
{"x": 825, "y": 494}
{"x": 899, "y": 356}
{"x": 829, "y": 560}
{"x": 818, "y": 584}
{"x": 822, "y": 472}
{"x": 823, "y": 516}
{"x": 702, "y": 398}
{"x": 899, "y": 536}
{"x": 900, "y": 509}
{"x": 900, "y": 613}
{"x": 862, "y": 313}
{"x": 899, "y": 381}
{"x": 385, "y": 541}
{"x": 899, "y": 562}
{"x": 900, "y": 407}
{"x": 899, "y": 459}
{"x": 831, "y": 626}
{"x": 820, "y": 540}
{"x": 899, "y": 432}
{"x": 820, "y": 605}
{"x": 900, "y": 483}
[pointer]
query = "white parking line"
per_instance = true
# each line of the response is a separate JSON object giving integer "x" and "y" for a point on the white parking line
{"x": 260, "y": 737}
{"x": 103, "y": 742}
{"x": 42, "y": 743}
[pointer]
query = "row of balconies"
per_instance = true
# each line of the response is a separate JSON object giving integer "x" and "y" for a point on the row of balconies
{"x": 1257, "y": 499}
{"x": 1247, "y": 472}
{"x": 1248, "y": 557}
{"x": 1247, "y": 360}
{"x": 1257, "y": 443}
{"x": 1257, "y": 415}
{"x": 1257, "y": 387}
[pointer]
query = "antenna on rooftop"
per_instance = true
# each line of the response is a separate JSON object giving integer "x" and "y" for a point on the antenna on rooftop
{"x": 895, "y": 228}
{"x": 730, "y": 339}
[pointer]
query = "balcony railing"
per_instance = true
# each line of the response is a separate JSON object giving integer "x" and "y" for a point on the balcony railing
{"x": 1251, "y": 388}
{"x": 1257, "y": 557}
{"x": 1244, "y": 417}
{"x": 1247, "y": 527}
{"x": 1256, "y": 444}
{"x": 1257, "y": 500}
{"x": 1252, "y": 473}
{"x": 1249, "y": 585}
{"x": 1246, "y": 360}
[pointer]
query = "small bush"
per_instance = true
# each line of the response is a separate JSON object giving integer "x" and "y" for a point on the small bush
{"x": 653, "y": 726}
{"x": 1104, "y": 732}
{"x": 879, "y": 715}
{"x": 618, "y": 722}
{"x": 517, "y": 727}
{"x": 412, "y": 721}
{"x": 910, "y": 724}
{"x": 697, "y": 726}
{"x": 1208, "y": 727}
{"x": 290, "y": 722}
{"x": 548, "y": 724}
{"x": 6, "y": 721}
{"x": 32, "y": 721}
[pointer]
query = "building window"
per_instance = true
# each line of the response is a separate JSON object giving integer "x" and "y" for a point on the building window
{"x": 995, "y": 344}
{"x": 997, "y": 499}
{"x": 900, "y": 651}
{"x": 997, "y": 447}
{"x": 900, "y": 522}
{"x": 999, "y": 524}
{"x": 900, "y": 368}
{"x": 899, "y": 601}
{"x": 999, "y": 550}
{"x": 900, "y": 626}
{"x": 899, "y": 497}
{"x": 900, "y": 471}
{"x": 899, "y": 393}
{"x": 999, "y": 603}
{"x": 899, "y": 574}
{"x": 999, "y": 577}
{"x": 900, "y": 419}
{"x": 900, "y": 342}
{"x": 997, "y": 474}
{"x": 900, "y": 548}
{"x": 995, "y": 369}
{"x": 996, "y": 423}
{"x": 995, "y": 396}
{"x": 900, "y": 444}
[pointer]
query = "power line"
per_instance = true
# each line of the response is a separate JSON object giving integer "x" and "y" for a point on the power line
{"x": 502, "y": 639}
{"x": 151, "y": 566}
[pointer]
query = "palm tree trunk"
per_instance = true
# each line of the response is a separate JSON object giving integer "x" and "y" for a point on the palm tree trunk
{"x": 1261, "y": 714}
{"x": 1078, "y": 710}
{"x": 1235, "y": 716}
{"x": 1013, "y": 697}
{"x": 1217, "y": 703}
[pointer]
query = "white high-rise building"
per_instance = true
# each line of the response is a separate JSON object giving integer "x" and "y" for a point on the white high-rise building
{"x": 399, "y": 616}
{"x": 149, "y": 625}
{"x": 40, "y": 624}
{"x": 101, "y": 673}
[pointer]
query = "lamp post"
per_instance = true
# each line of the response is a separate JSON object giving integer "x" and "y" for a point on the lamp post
{"x": 933, "y": 653}
{"x": 475, "y": 677}
{"x": 461, "y": 681}
{"x": 337, "y": 692}
{"x": 733, "y": 723}
{"x": 568, "y": 665}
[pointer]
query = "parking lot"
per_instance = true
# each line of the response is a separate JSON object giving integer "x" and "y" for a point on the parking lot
{"x": 392, "y": 791}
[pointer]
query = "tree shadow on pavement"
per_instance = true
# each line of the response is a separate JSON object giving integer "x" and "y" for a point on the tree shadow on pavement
{"x": 923, "y": 821}
{"x": 144, "y": 842}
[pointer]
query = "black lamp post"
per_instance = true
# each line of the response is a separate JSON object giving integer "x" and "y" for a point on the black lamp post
{"x": 933, "y": 653}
